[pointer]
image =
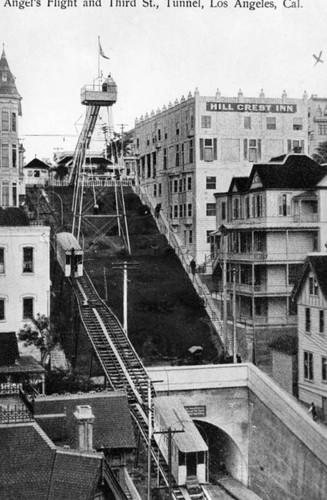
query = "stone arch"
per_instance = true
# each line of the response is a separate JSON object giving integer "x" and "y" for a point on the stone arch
{"x": 225, "y": 455}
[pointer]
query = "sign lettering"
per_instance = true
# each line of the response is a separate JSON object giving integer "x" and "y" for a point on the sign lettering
{"x": 196, "y": 411}
{"x": 241, "y": 107}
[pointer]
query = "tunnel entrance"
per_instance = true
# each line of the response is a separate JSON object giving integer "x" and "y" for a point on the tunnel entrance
{"x": 225, "y": 458}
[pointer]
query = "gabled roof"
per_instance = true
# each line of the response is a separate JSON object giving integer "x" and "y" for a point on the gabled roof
{"x": 317, "y": 263}
{"x": 112, "y": 427}
{"x": 33, "y": 468}
{"x": 240, "y": 183}
{"x": 295, "y": 172}
{"x": 36, "y": 163}
{"x": 7, "y": 80}
{"x": 74, "y": 475}
{"x": 9, "y": 348}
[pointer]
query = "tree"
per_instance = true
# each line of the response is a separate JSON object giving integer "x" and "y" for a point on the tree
{"x": 38, "y": 333}
{"x": 321, "y": 155}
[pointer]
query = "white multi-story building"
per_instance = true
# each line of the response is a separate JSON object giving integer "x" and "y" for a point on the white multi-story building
{"x": 24, "y": 274}
{"x": 317, "y": 115}
{"x": 267, "y": 223}
{"x": 11, "y": 152}
{"x": 190, "y": 150}
{"x": 310, "y": 294}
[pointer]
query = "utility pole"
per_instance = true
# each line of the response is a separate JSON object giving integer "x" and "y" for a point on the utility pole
{"x": 150, "y": 432}
{"x": 122, "y": 125}
{"x": 124, "y": 266}
{"x": 234, "y": 314}
{"x": 170, "y": 433}
{"x": 225, "y": 325}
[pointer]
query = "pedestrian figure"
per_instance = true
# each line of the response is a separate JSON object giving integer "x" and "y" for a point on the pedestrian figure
{"x": 157, "y": 210}
{"x": 313, "y": 410}
{"x": 193, "y": 266}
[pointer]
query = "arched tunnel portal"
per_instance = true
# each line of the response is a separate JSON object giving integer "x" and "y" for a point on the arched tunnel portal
{"x": 225, "y": 457}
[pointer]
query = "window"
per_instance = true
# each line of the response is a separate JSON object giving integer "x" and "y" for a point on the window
{"x": 180, "y": 185}
{"x": 154, "y": 190}
{"x": 5, "y": 155}
{"x": 181, "y": 211}
{"x": 189, "y": 210}
{"x": 189, "y": 183}
{"x": 247, "y": 207}
{"x": 307, "y": 320}
{"x": 211, "y": 183}
{"x": 28, "y": 308}
{"x": 297, "y": 124}
{"x": 2, "y": 260}
{"x": 284, "y": 205}
{"x": 177, "y": 128}
{"x": 321, "y": 321}
{"x": 148, "y": 140}
{"x": 184, "y": 210}
{"x": 223, "y": 210}
{"x": 159, "y": 134}
{"x": 2, "y": 309}
{"x": 5, "y": 194}
{"x": 208, "y": 149}
{"x": 208, "y": 235}
{"x": 175, "y": 185}
{"x": 13, "y": 122}
{"x": 247, "y": 122}
{"x": 148, "y": 163}
{"x": 324, "y": 369}
{"x": 4, "y": 77}
{"x": 271, "y": 123}
{"x": 165, "y": 133}
{"x": 313, "y": 286}
{"x": 191, "y": 150}
{"x": 5, "y": 121}
{"x": 206, "y": 121}
{"x": 165, "y": 162}
{"x": 14, "y": 155}
{"x": 28, "y": 264}
{"x": 308, "y": 365}
{"x": 236, "y": 208}
{"x": 159, "y": 189}
{"x": 175, "y": 211}
{"x": 211, "y": 209}
{"x": 252, "y": 149}
{"x": 322, "y": 128}
{"x": 295, "y": 146}
{"x": 177, "y": 155}
{"x": 257, "y": 206}
{"x": 190, "y": 236}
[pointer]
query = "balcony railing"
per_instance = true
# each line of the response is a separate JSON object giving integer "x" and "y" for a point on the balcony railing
{"x": 280, "y": 256}
{"x": 261, "y": 288}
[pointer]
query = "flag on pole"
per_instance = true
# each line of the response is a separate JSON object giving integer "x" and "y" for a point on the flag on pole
{"x": 101, "y": 51}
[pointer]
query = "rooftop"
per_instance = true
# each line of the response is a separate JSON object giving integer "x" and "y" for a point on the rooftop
{"x": 112, "y": 424}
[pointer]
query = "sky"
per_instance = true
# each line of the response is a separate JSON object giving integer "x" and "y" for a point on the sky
{"x": 156, "y": 55}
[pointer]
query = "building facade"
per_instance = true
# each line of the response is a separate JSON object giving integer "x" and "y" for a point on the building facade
{"x": 191, "y": 149}
{"x": 11, "y": 152}
{"x": 317, "y": 122}
{"x": 267, "y": 224}
{"x": 24, "y": 275}
{"x": 310, "y": 294}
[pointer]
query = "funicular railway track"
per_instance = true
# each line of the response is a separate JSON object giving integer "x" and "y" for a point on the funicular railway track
{"x": 122, "y": 367}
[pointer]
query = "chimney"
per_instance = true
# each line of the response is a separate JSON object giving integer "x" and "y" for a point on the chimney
{"x": 84, "y": 428}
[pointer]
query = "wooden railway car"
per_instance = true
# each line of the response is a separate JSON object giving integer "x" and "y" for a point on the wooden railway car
{"x": 189, "y": 452}
{"x": 69, "y": 254}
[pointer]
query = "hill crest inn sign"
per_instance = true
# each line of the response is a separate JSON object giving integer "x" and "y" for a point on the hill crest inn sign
{"x": 251, "y": 107}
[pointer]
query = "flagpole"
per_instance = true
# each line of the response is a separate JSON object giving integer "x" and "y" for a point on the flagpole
{"x": 98, "y": 58}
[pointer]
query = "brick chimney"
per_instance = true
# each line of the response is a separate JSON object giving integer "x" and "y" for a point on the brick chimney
{"x": 84, "y": 428}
